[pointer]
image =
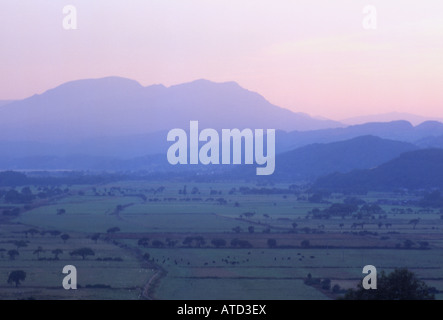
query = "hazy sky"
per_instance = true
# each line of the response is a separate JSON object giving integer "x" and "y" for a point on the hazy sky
{"x": 312, "y": 56}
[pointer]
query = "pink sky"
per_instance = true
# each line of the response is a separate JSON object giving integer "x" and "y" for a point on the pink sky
{"x": 311, "y": 56}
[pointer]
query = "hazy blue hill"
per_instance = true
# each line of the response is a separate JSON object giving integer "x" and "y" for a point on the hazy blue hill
{"x": 119, "y": 119}
{"x": 310, "y": 162}
{"x": 358, "y": 153}
{"x": 413, "y": 170}
{"x": 430, "y": 142}
{"x": 388, "y": 117}
{"x": 395, "y": 130}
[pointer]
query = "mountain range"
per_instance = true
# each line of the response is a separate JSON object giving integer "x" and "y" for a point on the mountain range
{"x": 419, "y": 169}
{"x": 364, "y": 152}
{"x": 116, "y": 124}
{"x": 115, "y": 107}
{"x": 389, "y": 117}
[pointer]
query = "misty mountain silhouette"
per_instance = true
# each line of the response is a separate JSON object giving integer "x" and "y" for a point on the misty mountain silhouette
{"x": 389, "y": 117}
{"x": 115, "y": 123}
{"x": 114, "y": 106}
{"x": 302, "y": 164}
{"x": 395, "y": 130}
{"x": 412, "y": 170}
{"x": 310, "y": 162}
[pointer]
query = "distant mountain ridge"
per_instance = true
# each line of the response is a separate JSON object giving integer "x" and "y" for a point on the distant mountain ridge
{"x": 420, "y": 169}
{"x": 116, "y": 123}
{"x": 317, "y": 159}
{"x": 114, "y": 106}
{"x": 389, "y": 117}
{"x": 396, "y": 130}
{"x": 302, "y": 164}
{"x": 310, "y": 162}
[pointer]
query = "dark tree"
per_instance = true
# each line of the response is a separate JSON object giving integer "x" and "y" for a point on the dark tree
{"x": 341, "y": 209}
{"x": 305, "y": 244}
{"x": 56, "y": 253}
{"x": 199, "y": 241}
{"x": 401, "y": 284}
{"x": 423, "y": 244}
{"x": 143, "y": 242}
{"x": 95, "y": 237}
{"x": 218, "y": 242}
{"x": 171, "y": 243}
{"x": 54, "y": 233}
{"x": 146, "y": 256}
{"x": 16, "y": 276}
{"x": 33, "y": 232}
{"x": 272, "y": 243}
{"x": 414, "y": 222}
{"x": 113, "y": 230}
{"x": 158, "y": 244}
{"x": 65, "y": 237}
{"x": 237, "y": 229}
{"x": 241, "y": 243}
{"x": 12, "y": 254}
{"x": 83, "y": 252}
{"x": 336, "y": 288}
{"x": 249, "y": 214}
{"x": 326, "y": 284}
{"x": 408, "y": 243}
{"x": 20, "y": 244}
{"x": 371, "y": 208}
{"x": 38, "y": 251}
{"x": 251, "y": 229}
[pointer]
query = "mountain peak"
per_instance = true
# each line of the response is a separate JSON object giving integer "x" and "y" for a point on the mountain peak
{"x": 431, "y": 124}
{"x": 205, "y": 84}
{"x": 111, "y": 82}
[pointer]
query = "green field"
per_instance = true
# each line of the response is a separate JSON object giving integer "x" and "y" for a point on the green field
{"x": 168, "y": 213}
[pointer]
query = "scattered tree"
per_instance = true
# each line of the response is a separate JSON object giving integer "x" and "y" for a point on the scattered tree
{"x": 113, "y": 230}
{"x": 144, "y": 242}
{"x": 218, "y": 243}
{"x": 272, "y": 243}
{"x": 305, "y": 244}
{"x": 54, "y": 233}
{"x": 20, "y": 244}
{"x": 408, "y": 243}
{"x": 56, "y": 253}
{"x": 414, "y": 222}
{"x": 16, "y": 277}
{"x": 95, "y": 237}
{"x": 83, "y": 252}
{"x": 146, "y": 256}
{"x": 65, "y": 237}
{"x": 237, "y": 229}
{"x": 401, "y": 284}
{"x": 38, "y": 251}
{"x": 12, "y": 254}
{"x": 32, "y": 231}
{"x": 326, "y": 284}
{"x": 336, "y": 288}
{"x": 158, "y": 244}
{"x": 423, "y": 244}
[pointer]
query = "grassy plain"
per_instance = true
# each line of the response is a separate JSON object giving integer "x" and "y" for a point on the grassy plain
{"x": 167, "y": 215}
